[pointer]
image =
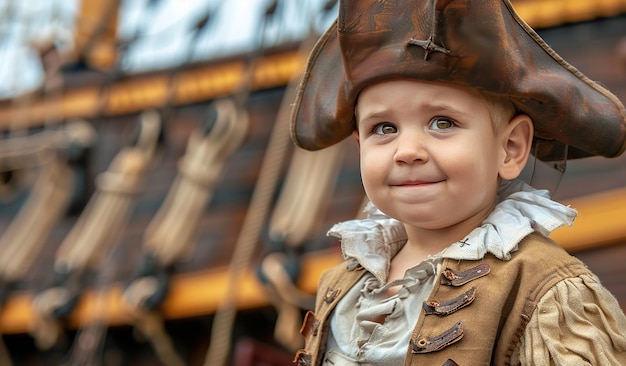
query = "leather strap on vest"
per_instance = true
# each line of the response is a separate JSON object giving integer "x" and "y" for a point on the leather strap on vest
{"x": 333, "y": 285}
{"x": 476, "y": 314}
{"x": 478, "y": 311}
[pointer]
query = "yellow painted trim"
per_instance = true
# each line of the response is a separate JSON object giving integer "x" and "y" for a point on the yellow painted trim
{"x": 549, "y": 13}
{"x": 143, "y": 92}
{"x": 192, "y": 294}
{"x": 600, "y": 222}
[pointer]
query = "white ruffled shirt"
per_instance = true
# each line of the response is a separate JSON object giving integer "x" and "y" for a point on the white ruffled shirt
{"x": 357, "y": 336}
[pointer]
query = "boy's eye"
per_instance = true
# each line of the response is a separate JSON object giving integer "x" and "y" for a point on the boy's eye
{"x": 440, "y": 123}
{"x": 384, "y": 129}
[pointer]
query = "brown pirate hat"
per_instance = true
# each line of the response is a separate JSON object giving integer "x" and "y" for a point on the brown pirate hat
{"x": 482, "y": 43}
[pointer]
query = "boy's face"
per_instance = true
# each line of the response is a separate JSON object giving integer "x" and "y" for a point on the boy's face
{"x": 430, "y": 156}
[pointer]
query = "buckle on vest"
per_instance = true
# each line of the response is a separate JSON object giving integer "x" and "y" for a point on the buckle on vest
{"x": 439, "y": 342}
{"x": 330, "y": 295}
{"x": 451, "y": 277}
{"x": 444, "y": 308}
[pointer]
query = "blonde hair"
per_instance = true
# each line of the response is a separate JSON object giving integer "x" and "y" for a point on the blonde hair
{"x": 501, "y": 109}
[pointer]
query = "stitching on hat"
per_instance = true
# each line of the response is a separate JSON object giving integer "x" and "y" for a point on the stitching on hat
{"x": 429, "y": 45}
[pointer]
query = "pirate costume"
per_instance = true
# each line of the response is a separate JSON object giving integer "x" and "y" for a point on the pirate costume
{"x": 505, "y": 294}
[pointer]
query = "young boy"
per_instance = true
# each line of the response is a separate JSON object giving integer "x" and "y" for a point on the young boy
{"x": 453, "y": 266}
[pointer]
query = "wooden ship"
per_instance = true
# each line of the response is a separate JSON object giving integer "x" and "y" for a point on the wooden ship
{"x": 163, "y": 217}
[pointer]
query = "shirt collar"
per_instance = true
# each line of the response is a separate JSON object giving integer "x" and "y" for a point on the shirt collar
{"x": 521, "y": 210}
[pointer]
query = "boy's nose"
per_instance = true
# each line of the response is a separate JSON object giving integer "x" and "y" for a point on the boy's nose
{"x": 410, "y": 149}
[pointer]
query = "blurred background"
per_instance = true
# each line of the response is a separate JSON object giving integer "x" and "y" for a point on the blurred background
{"x": 153, "y": 210}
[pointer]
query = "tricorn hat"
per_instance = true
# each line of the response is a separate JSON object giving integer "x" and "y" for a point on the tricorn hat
{"x": 482, "y": 44}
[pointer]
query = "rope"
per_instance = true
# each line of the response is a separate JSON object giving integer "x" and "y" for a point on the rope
{"x": 29, "y": 151}
{"x": 260, "y": 202}
{"x": 46, "y": 329}
{"x": 304, "y": 197}
{"x": 103, "y": 218}
{"x": 45, "y": 205}
{"x": 309, "y": 182}
{"x": 107, "y": 211}
{"x": 170, "y": 235}
{"x": 223, "y": 321}
{"x": 105, "y": 215}
{"x": 88, "y": 345}
{"x": 28, "y": 231}
{"x": 246, "y": 243}
{"x": 150, "y": 323}
{"x": 296, "y": 215}
{"x": 278, "y": 144}
{"x": 288, "y": 300}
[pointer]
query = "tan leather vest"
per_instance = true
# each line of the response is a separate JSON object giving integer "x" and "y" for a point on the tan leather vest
{"x": 476, "y": 313}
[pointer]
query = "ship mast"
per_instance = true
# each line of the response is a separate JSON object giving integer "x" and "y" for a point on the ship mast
{"x": 95, "y": 35}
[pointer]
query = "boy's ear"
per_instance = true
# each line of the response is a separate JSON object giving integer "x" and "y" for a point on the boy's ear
{"x": 517, "y": 141}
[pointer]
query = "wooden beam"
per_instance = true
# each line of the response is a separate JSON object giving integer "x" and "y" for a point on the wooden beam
{"x": 142, "y": 92}
{"x": 549, "y": 13}
{"x": 95, "y": 34}
{"x": 192, "y": 294}
{"x": 601, "y": 222}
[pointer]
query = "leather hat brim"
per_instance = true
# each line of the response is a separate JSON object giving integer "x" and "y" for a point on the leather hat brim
{"x": 483, "y": 44}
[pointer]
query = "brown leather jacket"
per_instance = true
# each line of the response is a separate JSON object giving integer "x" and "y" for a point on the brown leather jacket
{"x": 475, "y": 315}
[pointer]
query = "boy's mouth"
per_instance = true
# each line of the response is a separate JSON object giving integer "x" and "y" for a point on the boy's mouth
{"x": 415, "y": 183}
